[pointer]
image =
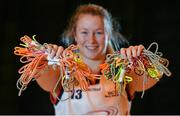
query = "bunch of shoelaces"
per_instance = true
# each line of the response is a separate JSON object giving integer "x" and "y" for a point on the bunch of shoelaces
{"x": 74, "y": 72}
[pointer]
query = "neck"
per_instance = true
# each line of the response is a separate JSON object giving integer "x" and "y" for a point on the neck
{"x": 94, "y": 64}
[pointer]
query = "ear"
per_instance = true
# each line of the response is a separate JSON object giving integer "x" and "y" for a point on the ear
{"x": 107, "y": 37}
{"x": 75, "y": 37}
{"x": 107, "y": 44}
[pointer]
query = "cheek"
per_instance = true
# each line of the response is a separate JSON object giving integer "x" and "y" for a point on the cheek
{"x": 102, "y": 41}
{"x": 79, "y": 40}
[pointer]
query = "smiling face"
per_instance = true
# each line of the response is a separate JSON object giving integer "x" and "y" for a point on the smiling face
{"x": 90, "y": 36}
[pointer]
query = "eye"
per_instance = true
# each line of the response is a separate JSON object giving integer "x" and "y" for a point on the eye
{"x": 84, "y": 32}
{"x": 99, "y": 32}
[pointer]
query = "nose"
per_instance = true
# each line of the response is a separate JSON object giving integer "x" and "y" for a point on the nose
{"x": 92, "y": 38}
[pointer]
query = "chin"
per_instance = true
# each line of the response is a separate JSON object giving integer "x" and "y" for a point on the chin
{"x": 93, "y": 56}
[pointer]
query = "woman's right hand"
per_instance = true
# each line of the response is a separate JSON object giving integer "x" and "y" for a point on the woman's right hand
{"x": 49, "y": 78}
{"x": 54, "y": 50}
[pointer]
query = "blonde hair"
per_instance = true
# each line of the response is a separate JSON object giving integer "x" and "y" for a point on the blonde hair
{"x": 96, "y": 10}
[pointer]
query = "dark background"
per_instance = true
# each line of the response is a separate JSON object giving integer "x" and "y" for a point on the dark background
{"x": 142, "y": 22}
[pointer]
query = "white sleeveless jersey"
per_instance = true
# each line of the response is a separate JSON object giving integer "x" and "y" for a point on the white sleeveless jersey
{"x": 99, "y": 99}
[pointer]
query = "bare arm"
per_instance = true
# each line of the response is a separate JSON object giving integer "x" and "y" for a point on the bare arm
{"x": 141, "y": 83}
{"x": 138, "y": 83}
{"x": 49, "y": 78}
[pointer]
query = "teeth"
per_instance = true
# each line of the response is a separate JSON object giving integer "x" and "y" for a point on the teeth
{"x": 91, "y": 47}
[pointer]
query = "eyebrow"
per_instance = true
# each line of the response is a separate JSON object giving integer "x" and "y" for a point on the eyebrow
{"x": 88, "y": 29}
{"x": 83, "y": 29}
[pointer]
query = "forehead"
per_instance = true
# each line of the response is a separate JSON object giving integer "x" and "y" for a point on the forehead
{"x": 89, "y": 20}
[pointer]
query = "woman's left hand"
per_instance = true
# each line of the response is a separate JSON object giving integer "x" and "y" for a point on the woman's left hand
{"x": 137, "y": 83}
{"x": 132, "y": 52}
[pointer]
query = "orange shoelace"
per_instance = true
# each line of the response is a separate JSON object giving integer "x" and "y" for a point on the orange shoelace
{"x": 36, "y": 61}
{"x": 73, "y": 71}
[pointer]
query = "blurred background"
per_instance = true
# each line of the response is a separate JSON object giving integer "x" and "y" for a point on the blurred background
{"x": 142, "y": 22}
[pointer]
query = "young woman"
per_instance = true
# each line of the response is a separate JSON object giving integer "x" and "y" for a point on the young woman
{"x": 92, "y": 31}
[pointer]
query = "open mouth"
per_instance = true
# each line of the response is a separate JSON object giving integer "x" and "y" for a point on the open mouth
{"x": 92, "y": 47}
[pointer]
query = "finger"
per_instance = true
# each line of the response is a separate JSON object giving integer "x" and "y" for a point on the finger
{"x": 59, "y": 52}
{"x": 49, "y": 48}
{"x": 129, "y": 53}
{"x": 55, "y": 47}
{"x": 45, "y": 45}
{"x": 42, "y": 48}
{"x": 140, "y": 50}
{"x": 52, "y": 54}
{"x": 123, "y": 53}
{"x": 134, "y": 51}
{"x": 53, "y": 51}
